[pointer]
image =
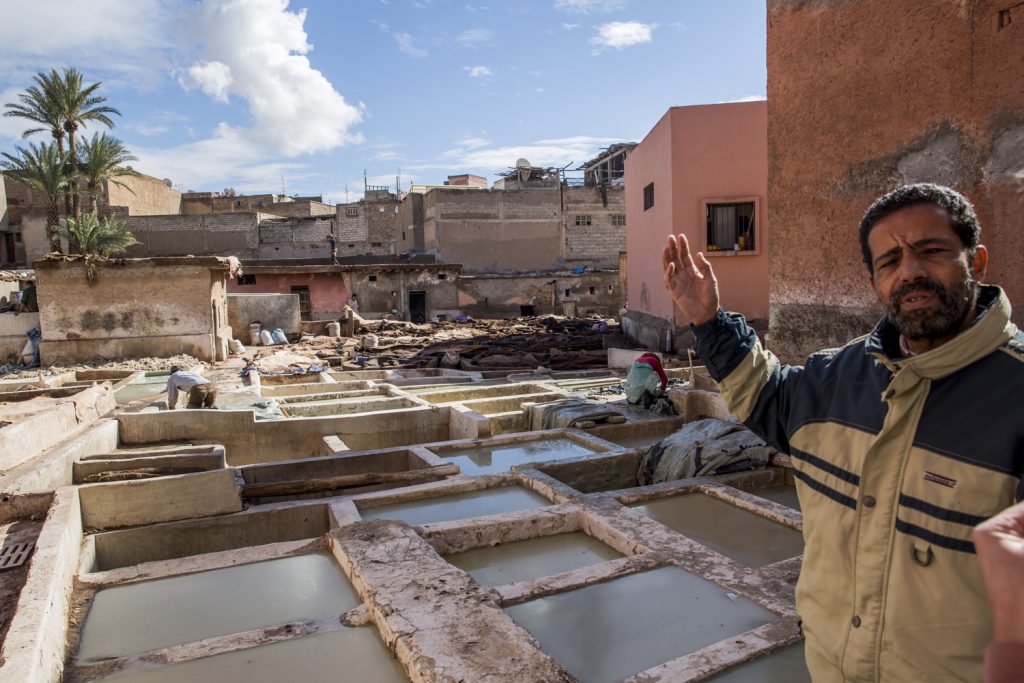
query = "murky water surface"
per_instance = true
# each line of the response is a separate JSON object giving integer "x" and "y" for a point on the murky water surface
{"x": 459, "y": 506}
{"x": 349, "y": 655}
{"x": 532, "y": 559}
{"x": 492, "y": 459}
{"x": 784, "y": 666}
{"x": 139, "y": 617}
{"x": 609, "y": 631}
{"x": 744, "y": 536}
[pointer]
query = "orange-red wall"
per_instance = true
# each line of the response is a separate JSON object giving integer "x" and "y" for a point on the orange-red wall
{"x": 865, "y": 95}
{"x": 327, "y": 291}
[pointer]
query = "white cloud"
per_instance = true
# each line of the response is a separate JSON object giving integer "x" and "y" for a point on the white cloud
{"x": 407, "y": 44}
{"x": 478, "y": 71}
{"x": 475, "y": 37}
{"x": 749, "y": 98}
{"x": 213, "y": 78}
{"x": 550, "y": 152}
{"x": 112, "y": 40}
{"x": 620, "y": 35}
{"x": 227, "y": 156}
{"x": 149, "y": 129}
{"x": 571, "y": 27}
{"x": 589, "y": 6}
{"x": 472, "y": 142}
{"x": 256, "y": 50}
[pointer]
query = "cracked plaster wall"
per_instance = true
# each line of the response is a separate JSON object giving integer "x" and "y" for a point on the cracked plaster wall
{"x": 865, "y": 95}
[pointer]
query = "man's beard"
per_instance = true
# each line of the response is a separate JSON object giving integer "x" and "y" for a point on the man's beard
{"x": 955, "y": 305}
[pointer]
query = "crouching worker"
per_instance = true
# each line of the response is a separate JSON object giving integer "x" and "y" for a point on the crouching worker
{"x": 201, "y": 391}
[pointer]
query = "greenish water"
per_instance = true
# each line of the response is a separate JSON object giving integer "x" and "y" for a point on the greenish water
{"x": 492, "y": 459}
{"x": 458, "y": 506}
{"x": 610, "y": 631}
{"x": 348, "y": 655}
{"x": 784, "y": 666}
{"x": 532, "y": 559}
{"x": 744, "y": 536}
{"x": 138, "y": 617}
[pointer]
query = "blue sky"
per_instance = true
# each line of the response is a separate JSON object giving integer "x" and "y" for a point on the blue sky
{"x": 265, "y": 95}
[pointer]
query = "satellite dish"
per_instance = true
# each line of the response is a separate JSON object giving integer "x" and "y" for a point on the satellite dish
{"x": 523, "y": 163}
{"x": 168, "y": 183}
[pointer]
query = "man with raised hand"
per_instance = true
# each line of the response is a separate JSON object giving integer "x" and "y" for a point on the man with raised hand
{"x": 901, "y": 441}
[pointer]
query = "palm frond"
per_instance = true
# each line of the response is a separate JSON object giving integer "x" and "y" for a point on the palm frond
{"x": 93, "y": 236}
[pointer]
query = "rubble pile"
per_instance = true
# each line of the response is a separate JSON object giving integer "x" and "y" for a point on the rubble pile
{"x": 149, "y": 364}
{"x": 552, "y": 342}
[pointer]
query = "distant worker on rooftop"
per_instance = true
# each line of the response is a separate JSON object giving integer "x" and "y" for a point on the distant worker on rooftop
{"x": 902, "y": 441}
{"x": 201, "y": 391}
{"x": 334, "y": 248}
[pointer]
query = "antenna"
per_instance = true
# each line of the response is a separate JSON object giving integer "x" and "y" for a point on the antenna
{"x": 282, "y": 184}
{"x": 346, "y": 193}
{"x": 398, "y": 182}
{"x": 365, "y": 186}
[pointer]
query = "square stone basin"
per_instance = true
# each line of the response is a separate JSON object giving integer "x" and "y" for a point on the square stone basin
{"x": 744, "y": 536}
{"x": 782, "y": 666}
{"x": 171, "y": 540}
{"x": 496, "y": 458}
{"x": 457, "y": 506}
{"x": 609, "y": 631}
{"x": 147, "y": 386}
{"x": 348, "y": 407}
{"x": 320, "y": 658}
{"x": 473, "y": 393}
{"x": 138, "y": 617}
{"x": 532, "y": 559}
{"x": 495, "y": 406}
{"x": 347, "y": 396}
{"x": 783, "y": 494}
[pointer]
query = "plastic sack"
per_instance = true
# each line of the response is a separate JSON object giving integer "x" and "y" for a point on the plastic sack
{"x": 279, "y": 336}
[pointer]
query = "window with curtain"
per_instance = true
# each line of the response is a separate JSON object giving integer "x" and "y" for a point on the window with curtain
{"x": 731, "y": 227}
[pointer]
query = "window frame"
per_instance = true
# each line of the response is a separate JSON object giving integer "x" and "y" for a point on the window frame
{"x": 759, "y": 236}
{"x": 584, "y": 220}
{"x": 648, "y": 205}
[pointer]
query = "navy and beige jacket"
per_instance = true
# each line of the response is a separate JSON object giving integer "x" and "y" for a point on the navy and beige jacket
{"x": 895, "y": 460}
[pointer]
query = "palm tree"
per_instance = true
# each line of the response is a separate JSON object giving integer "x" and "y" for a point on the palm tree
{"x": 101, "y": 159}
{"x": 77, "y": 106}
{"x": 41, "y": 168}
{"x": 40, "y": 104}
{"x": 92, "y": 236}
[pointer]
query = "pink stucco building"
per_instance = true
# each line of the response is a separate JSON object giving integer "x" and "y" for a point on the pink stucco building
{"x": 701, "y": 171}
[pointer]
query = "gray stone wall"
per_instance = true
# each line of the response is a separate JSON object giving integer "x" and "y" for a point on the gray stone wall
{"x": 598, "y": 243}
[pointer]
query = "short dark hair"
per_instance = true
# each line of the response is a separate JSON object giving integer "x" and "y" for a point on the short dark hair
{"x": 962, "y": 218}
{"x": 175, "y": 368}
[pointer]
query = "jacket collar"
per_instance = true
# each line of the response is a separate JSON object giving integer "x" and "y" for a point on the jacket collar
{"x": 990, "y": 330}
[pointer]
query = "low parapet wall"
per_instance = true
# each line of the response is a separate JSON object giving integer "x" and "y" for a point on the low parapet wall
{"x": 248, "y": 441}
{"x": 28, "y": 437}
{"x": 201, "y": 346}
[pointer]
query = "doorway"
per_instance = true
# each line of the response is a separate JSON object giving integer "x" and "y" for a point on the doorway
{"x": 305, "y": 309}
{"x": 418, "y": 307}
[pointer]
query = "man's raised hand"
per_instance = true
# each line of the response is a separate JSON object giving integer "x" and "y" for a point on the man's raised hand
{"x": 692, "y": 285}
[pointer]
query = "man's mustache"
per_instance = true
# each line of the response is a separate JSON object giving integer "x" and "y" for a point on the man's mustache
{"x": 917, "y": 286}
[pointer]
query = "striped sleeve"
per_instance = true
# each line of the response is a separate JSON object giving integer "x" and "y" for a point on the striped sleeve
{"x": 753, "y": 383}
